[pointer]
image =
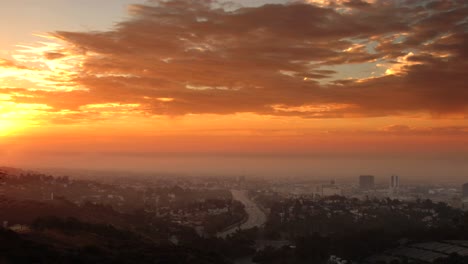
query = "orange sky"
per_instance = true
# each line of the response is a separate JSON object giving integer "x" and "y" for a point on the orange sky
{"x": 349, "y": 79}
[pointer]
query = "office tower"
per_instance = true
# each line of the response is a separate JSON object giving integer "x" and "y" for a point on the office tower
{"x": 394, "y": 182}
{"x": 465, "y": 190}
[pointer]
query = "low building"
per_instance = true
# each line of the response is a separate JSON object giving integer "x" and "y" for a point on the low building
{"x": 426, "y": 252}
{"x": 22, "y": 229}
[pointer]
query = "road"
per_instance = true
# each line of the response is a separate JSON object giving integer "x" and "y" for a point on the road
{"x": 256, "y": 217}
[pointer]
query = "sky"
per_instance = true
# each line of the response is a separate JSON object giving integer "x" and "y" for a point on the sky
{"x": 317, "y": 87}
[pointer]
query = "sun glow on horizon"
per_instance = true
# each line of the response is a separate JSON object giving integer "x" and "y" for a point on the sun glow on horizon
{"x": 217, "y": 87}
{"x": 10, "y": 127}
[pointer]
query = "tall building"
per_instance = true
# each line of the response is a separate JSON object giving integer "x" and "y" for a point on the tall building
{"x": 366, "y": 182}
{"x": 465, "y": 190}
{"x": 394, "y": 184}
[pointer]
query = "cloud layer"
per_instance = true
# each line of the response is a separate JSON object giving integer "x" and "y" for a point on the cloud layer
{"x": 183, "y": 57}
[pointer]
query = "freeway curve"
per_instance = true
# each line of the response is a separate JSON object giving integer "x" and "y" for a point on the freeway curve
{"x": 256, "y": 217}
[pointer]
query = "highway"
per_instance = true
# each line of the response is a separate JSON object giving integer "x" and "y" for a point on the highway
{"x": 256, "y": 217}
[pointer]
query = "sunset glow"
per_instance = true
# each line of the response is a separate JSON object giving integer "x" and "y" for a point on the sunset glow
{"x": 235, "y": 73}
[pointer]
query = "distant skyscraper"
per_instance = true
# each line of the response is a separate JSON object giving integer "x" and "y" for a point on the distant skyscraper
{"x": 366, "y": 182}
{"x": 465, "y": 190}
{"x": 394, "y": 184}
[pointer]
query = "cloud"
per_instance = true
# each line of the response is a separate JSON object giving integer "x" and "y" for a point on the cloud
{"x": 270, "y": 60}
{"x": 428, "y": 131}
{"x": 4, "y": 63}
{"x": 396, "y": 128}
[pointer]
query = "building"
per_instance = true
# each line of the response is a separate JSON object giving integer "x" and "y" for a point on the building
{"x": 464, "y": 205}
{"x": 366, "y": 182}
{"x": 241, "y": 181}
{"x": 327, "y": 189}
{"x": 331, "y": 191}
{"x": 22, "y": 229}
{"x": 465, "y": 190}
{"x": 425, "y": 252}
{"x": 394, "y": 184}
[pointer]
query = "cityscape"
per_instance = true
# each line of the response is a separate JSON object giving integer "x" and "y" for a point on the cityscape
{"x": 234, "y": 132}
{"x": 247, "y": 219}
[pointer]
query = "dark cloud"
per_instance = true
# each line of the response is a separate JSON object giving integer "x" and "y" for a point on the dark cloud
{"x": 53, "y": 55}
{"x": 213, "y": 60}
{"x": 357, "y": 4}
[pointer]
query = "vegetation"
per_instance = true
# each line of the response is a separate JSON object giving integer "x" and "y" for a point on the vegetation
{"x": 56, "y": 240}
{"x": 354, "y": 229}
